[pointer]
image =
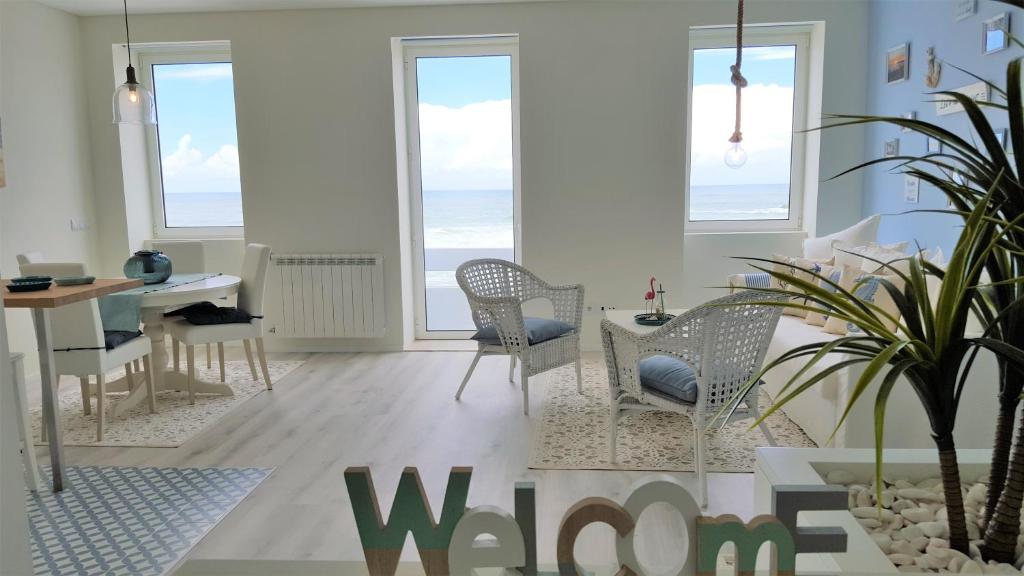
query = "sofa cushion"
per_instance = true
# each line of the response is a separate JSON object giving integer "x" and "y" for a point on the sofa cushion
{"x": 670, "y": 376}
{"x": 537, "y": 330}
{"x": 833, "y": 274}
{"x": 802, "y": 268}
{"x": 860, "y": 233}
{"x": 114, "y": 338}
{"x": 867, "y": 288}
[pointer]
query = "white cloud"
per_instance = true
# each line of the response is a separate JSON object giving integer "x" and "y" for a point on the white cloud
{"x": 767, "y": 134}
{"x": 215, "y": 71}
{"x": 466, "y": 148}
{"x": 188, "y": 170}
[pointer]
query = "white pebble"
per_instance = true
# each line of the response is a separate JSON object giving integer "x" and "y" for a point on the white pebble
{"x": 901, "y": 559}
{"x": 934, "y": 529}
{"x": 917, "y": 515}
{"x": 971, "y": 567}
{"x": 882, "y": 514}
{"x": 901, "y": 505}
{"x": 883, "y": 541}
{"x": 864, "y": 498}
{"x": 905, "y": 547}
{"x": 869, "y": 523}
{"x": 911, "y": 532}
{"x": 918, "y": 494}
{"x": 929, "y": 483}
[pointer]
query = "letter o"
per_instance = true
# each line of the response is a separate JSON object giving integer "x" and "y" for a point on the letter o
{"x": 662, "y": 488}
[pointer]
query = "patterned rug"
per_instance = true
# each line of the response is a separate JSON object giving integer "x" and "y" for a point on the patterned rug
{"x": 175, "y": 420}
{"x": 572, "y": 433}
{"x": 131, "y": 521}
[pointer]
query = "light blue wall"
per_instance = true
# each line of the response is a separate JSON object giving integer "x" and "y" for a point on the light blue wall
{"x": 924, "y": 23}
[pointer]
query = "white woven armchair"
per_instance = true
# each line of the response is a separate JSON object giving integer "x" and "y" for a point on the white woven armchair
{"x": 722, "y": 343}
{"x": 496, "y": 290}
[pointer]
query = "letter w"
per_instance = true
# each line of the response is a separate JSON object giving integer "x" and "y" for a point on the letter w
{"x": 410, "y": 512}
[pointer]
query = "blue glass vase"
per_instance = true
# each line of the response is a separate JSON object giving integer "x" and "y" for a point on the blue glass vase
{"x": 152, "y": 266}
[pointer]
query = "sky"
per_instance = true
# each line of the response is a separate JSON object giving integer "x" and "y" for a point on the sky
{"x": 196, "y": 115}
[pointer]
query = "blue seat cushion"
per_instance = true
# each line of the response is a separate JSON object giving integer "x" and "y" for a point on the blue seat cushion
{"x": 537, "y": 330}
{"x": 114, "y": 338}
{"x": 669, "y": 376}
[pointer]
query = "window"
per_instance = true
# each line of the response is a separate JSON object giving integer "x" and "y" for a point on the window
{"x": 767, "y": 192}
{"x": 194, "y": 147}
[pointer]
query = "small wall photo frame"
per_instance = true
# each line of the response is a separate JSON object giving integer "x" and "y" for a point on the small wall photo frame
{"x": 1001, "y": 137}
{"x": 908, "y": 116}
{"x": 964, "y": 9}
{"x": 995, "y": 34}
{"x": 911, "y": 189}
{"x": 897, "y": 63}
{"x": 934, "y": 145}
{"x": 892, "y": 148}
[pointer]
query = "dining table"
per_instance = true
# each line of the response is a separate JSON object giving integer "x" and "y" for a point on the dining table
{"x": 41, "y": 302}
{"x": 155, "y": 301}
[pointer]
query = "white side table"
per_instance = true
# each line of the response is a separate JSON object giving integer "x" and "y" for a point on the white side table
{"x": 625, "y": 319}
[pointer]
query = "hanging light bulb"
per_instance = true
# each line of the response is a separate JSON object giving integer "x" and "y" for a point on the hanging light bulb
{"x": 735, "y": 155}
{"x": 133, "y": 104}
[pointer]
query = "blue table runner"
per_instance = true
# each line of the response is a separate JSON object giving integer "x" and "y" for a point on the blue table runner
{"x": 123, "y": 310}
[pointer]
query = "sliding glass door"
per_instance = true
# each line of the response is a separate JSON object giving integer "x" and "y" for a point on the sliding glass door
{"x": 463, "y": 117}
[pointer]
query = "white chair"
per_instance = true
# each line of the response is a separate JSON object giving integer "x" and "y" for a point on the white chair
{"x": 28, "y": 451}
{"x": 250, "y": 298}
{"x": 692, "y": 365}
{"x": 81, "y": 346}
{"x": 187, "y": 257}
{"x": 30, "y": 258}
{"x": 496, "y": 290}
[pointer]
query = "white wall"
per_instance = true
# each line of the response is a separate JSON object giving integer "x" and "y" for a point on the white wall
{"x": 603, "y": 100}
{"x": 46, "y": 140}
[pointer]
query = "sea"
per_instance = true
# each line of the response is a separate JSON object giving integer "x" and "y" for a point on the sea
{"x": 458, "y": 219}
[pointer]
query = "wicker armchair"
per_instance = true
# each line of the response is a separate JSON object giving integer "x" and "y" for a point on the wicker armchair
{"x": 496, "y": 290}
{"x": 724, "y": 341}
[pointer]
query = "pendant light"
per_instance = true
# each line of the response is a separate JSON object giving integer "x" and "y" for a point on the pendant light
{"x": 735, "y": 155}
{"x": 133, "y": 103}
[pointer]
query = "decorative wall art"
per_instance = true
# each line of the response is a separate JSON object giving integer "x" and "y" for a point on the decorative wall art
{"x": 934, "y": 145}
{"x": 995, "y": 33}
{"x": 892, "y": 148}
{"x": 911, "y": 189}
{"x": 979, "y": 92}
{"x": 964, "y": 9}
{"x": 908, "y": 116}
{"x": 934, "y": 73}
{"x": 897, "y": 63}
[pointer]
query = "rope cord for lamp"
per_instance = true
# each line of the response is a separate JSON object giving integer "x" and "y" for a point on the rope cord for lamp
{"x": 737, "y": 77}
{"x": 127, "y": 35}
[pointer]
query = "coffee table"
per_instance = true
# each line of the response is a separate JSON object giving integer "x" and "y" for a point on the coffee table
{"x": 625, "y": 319}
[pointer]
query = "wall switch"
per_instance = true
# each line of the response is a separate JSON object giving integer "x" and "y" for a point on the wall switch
{"x": 77, "y": 225}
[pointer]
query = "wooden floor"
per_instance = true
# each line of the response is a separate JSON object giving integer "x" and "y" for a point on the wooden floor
{"x": 389, "y": 411}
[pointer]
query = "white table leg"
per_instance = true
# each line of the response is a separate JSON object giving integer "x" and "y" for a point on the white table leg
{"x": 163, "y": 379}
{"x": 51, "y": 399}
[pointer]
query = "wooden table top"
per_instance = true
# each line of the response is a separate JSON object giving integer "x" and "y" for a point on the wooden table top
{"x": 57, "y": 296}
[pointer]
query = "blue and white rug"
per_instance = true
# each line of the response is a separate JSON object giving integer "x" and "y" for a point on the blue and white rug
{"x": 131, "y": 521}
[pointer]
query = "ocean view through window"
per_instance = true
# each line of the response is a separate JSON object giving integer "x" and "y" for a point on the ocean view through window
{"x": 766, "y": 192}
{"x": 463, "y": 177}
{"x": 196, "y": 143}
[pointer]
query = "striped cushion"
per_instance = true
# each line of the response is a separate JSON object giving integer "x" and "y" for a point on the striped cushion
{"x": 750, "y": 280}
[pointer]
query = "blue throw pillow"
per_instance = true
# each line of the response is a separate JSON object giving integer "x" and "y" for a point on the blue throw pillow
{"x": 537, "y": 330}
{"x": 669, "y": 376}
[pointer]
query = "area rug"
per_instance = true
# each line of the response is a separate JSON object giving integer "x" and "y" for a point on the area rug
{"x": 131, "y": 521}
{"x": 175, "y": 421}
{"x": 572, "y": 433}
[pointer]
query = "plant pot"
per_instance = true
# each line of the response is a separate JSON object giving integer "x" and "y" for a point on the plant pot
{"x": 809, "y": 466}
{"x": 151, "y": 266}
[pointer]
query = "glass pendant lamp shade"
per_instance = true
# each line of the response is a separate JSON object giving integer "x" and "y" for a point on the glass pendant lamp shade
{"x": 133, "y": 103}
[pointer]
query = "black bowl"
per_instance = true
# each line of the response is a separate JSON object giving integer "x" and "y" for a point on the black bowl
{"x": 31, "y": 279}
{"x": 29, "y": 286}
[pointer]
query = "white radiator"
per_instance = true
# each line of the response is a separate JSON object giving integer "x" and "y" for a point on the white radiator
{"x": 331, "y": 295}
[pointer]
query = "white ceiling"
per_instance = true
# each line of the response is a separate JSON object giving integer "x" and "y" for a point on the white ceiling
{"x": 98, "y": 7}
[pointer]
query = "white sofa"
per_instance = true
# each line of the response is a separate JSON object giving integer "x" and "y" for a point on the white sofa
{"x": 818, "y": 409}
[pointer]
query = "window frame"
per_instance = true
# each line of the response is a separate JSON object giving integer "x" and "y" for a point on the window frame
{"x": 461, "y": 46}
{"x": 756, "y": 36}
{"x": 206, "y": 53}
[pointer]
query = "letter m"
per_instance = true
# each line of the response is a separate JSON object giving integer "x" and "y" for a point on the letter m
{"x": 410, "y": 512}
{"x": 713, "y": 533}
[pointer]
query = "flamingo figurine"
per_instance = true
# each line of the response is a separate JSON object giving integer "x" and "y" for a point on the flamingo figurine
{"x": 649, "y": 297}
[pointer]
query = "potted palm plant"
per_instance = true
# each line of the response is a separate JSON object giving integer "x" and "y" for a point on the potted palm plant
{"x": 931, "y": 349}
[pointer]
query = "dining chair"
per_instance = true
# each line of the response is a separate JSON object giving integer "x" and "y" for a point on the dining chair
{"x": 82, "y": 348}
{"x": 28, "y": 451}
{"x": 188, "y": 257}
{"x": 693, "y": 365}
{"x": 30, "y": 258}
{"x": 496, "y": 290}
{"x": 255, "y": 266}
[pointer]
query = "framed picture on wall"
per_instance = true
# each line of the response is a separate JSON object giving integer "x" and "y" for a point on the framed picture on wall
{"x": 897, "y": 63}
{"x": 892, "y": 148}
{"x": 908, "y": 116}
{"x": 964, "y": 9}
{"x": 934, "y": 145}
{"x": 1001, "y": 137}
{"x": 995, "y": 33}
{"x": 911, "y": 189}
